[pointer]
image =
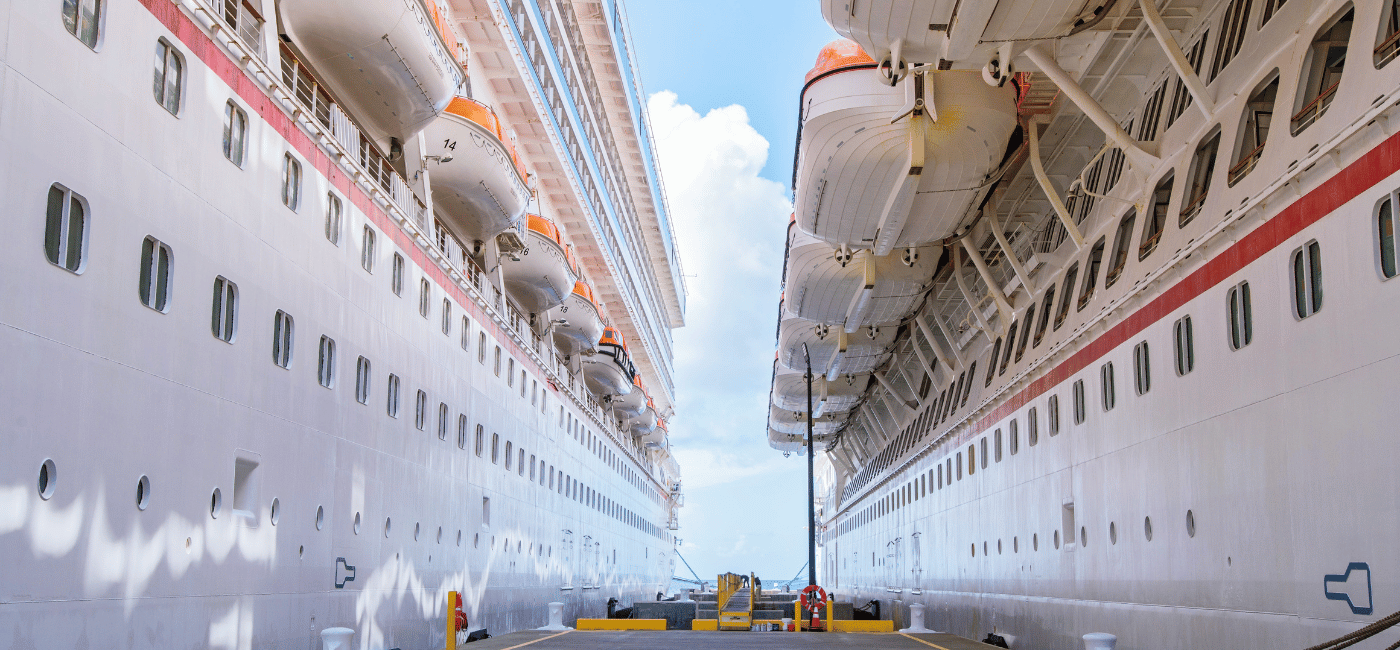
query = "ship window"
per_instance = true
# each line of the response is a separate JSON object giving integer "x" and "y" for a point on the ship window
{"x": 486, "y": 510}
{"x": 362, "y": 380}
{"x": 282, "y": 339}
{"x": 466, "y": 333}
{"x": 509, "y": 446}
{"x": 396, "y": 275}
{"x": 992, "y": 363}
{"x": 235, "y": 133}
{"x": 65, "y": 229}
{"x": 1307, "y": 279}
{"x": 1010, "y": 343}
{"x": 958, "y": 388}
{"x": 325, "y": 369}
{"x": 1032, "y": 427}
{"x": 1070, "y": 276}
{"x": 510, "y": 371}
{"x": 420, "y": 410}
{"x": 1091, "y": 275}
{"x": 967, "y": 390}
{"x": 83, "y": 18}
{"x": 1232, "y": 30}
{"x": 1181, "y": 97}
{"x": 481, "y": 348}
{"x": 497, "y": 367}
{"x": 1268, "y": 10}
{"x": 1013, "y": 435}
{"x": 425, "y": 292}
{"x": 224, "y": 320}
{"x": 480, "y": 445}
{"x": 1121, "y": 243}
{"x": 1025, "y": 333}
{"x": 551, "y": 477}
{"x": 169, "y": 73}
{"x": 1156, "y": 221}
{"x": 1079, "y": 410}
{"x": 462, "y": 431}
{"x": 534, "y": 392}
{"x": 442, "y": 420}
{"x": 392, "y": 404}
{"x": 522, "y": 383}
{"x": 1052, "y": 414}
{"x": 446, "y": 317}
{"x": 520, "y": 462}
{"x": 996, "y": 444}
{"x": 1388, "y": 38}
{"x": 1106, "y": 383}
{"x": 291, "y": 182}
{"x": 959, "y": 466}
{"x": 1241, "y": 319}
{"x": 1198, "y": 181}
{"x": 495, "y": 448}
{"x": 155, "y": 275}
{"x": 940, "y": 476}
{"x": 1046, "y": 306}
{"x": 1258, "y": 116}
{"x": 1385, "y": 234}
{"x": 367, "y": 250}
{"x": 1185, "y": 346}
{"x": 532, "y": 468}
{"x": 1152, "y": 113}
{"x": 1322, "y": 72}
{"x": 1142, "y": 369}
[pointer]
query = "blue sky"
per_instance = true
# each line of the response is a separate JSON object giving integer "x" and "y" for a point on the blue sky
{"x": 724, "y": 78}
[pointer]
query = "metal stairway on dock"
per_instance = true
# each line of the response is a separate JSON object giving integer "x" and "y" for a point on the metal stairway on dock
{"x": 737, "y": 595}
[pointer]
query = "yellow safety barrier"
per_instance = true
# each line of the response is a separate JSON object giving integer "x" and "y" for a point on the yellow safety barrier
{"x": 862, "y": 626}
{"x": 705, "y": 625}
{"x": 454, "y": 608}
{"x": 621, "y": 624}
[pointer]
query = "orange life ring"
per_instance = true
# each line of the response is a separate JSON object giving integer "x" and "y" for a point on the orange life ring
{"x": 810, "y": 589}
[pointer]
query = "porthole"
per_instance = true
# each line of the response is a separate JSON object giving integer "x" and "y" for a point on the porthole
{"x": 1147, "y": 528}
{"x": 48, "y": 477}
{"x": 143, "y": 492}
{"x": 301, "y": 552}
{"x": 1015, "y": 545}
{"x": 1190, "y": 524}
{"x": 984, "y": 547}
{"x": 998, "y": 547}
{"x": 320, "y": 517}
{"x": 388, "y": 525}
{"x": 357, "y": 523}
{"x": 459, "y": 538}
{"x": 276, "y": 512}
{"x": 974, "y": 550}
{"x": 476, "y": 540}
{"x": 216, "y": 503}
{"x": 1112, "y": 533}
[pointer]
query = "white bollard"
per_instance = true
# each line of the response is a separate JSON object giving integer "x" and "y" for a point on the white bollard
{"x": 556, "y": 619}
{"x": 336, "y": 638}
{"x": 1100, "y": 641}
{"x": 916, "y": 621}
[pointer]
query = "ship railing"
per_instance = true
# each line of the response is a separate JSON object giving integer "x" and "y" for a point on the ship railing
{"x": 247, "y": 23}
{"x": 1245, "y": 165}
{"x": 1387, "y": 49}
{"x": 1315, "y": 108}
{"x": 299, "y": 82}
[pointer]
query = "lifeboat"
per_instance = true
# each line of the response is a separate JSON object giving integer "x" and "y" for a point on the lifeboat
{"x": 543, "y": 275}
{"x": 634, "y": 403}
{"x": 387, "y": 61}
{"x": 656, "y": 437}
{"x": 644, "y": 424}
{"x": 834, "y": 351}
{"x": 828, "y": 396}
{"x": 583, "y": 324}
{"x": 609, "y": 371}
{"x": 863, "y": 182}
{"x": 478, "y": 182}
{"x": 868, "y": 289}
{"x": 794, "y": 423}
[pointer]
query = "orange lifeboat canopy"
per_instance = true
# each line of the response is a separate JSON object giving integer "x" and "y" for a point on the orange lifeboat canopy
{"x": 838, "y": 55}
{"x": 540, "y": 277}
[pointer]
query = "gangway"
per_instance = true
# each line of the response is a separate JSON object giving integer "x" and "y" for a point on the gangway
{"x": 737, "y": 593}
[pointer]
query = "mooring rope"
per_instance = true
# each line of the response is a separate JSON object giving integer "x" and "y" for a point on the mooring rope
{"x": 1362, "y": 634}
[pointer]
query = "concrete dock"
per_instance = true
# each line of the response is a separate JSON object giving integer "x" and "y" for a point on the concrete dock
{"x": 688, "y": 640}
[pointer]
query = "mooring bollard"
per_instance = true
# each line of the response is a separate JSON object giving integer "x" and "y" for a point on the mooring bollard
{"x": 916, "y": 620}
{"x": 1100, "y": 641}
{"x": 336, "y": 638}
{"x": 556, "y": 619}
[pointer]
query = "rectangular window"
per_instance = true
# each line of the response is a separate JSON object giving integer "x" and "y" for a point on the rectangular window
{"x": 169, "y": 73}
{"x": 1052, "y": 414}
{"x": 1013, "y": 434}
{"x": 1121, "y": 243}
{"x": 1032, "y": 427}
{"x": 509, "y": 448}
{"x": 1010, "y": 343}
{"x": 497, "y": 366}
{"x": 462, "y": 431}
{"x": 82, "y": 18}
{"x": 1025, "y": 333}
{"x": 291, "y": 182}
{"x": 442, "y": 420}
{"x": 446, "y": 317}
{"x": 282, "y": 339}
{"x": 1152, "y": 113}
{"x": 325, "y": 369}
{"x": 420, "y": 410}
{"x": 1079, "y": 410}
{"x": 520, "y": 461}
{"x": 1258, "y": 114}
{"x": 992, "y": 363}
{"x": 65, "y": 229}
{"x": 424, "y": 296}
{"x": 1198, "y": 181}
{"x": 225, "y": 313}
{"x": 1241, "y": 320}
{"x": 510, "y": 372}
{"x": 1267, "y": 11}
{"x": 1185, "y": 346}
{"x": 1142, "y": 369}
{"x": 1106, "y": 384}
{"x": 481, "y": 348}
{"x": 480, "y": 445}
{"x": 1385, "y": 234}
{"x": 235, "y": 133}
{"x": 1046, "y": 305}
{"x": 334, "y": 209}
{"x": 1181, "y": 97}
{"x": 940, "y": 476}
{"x": 1307, "y": 279}
{"x": 485, "y": 511}
{"x": 155, "y": 275}
{"x": 367, "y": 250}
{"x": 392, "y": 406}
{"x": 1156, "y": 220}
{"x": 522, "y": 382}
{"x": 1232, "y": 31}
{"x": 1091, "y": 275}
{"x": 362, "y": 380}
{"x": 466, "y": 333}
{"x": 495, "y": 448}
{"x": 532, "y": 468}
{"x": 1322, "y": 72}
{"x": 1070, "y": 276}
{"x": 396, "y": 275}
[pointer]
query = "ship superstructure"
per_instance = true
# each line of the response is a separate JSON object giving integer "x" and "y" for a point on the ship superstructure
{"x": 339, "y": 307}
{"x": 1094, "y": 347}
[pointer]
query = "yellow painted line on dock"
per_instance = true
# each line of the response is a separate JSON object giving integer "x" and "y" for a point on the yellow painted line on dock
{"x": 934, "y": 645}
{"x": 543, "y": 638}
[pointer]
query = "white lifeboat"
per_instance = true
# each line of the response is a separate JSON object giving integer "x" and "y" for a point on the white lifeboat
{"x": 795, "y": 423}
{"x": 480, "y": 190}
{"x": 543, "y": 276}
{"x": 869, "y": 289}
{"x": 387, "y": 60}
{"x": 828, "y": 396}
{"x": 863, "y": 182}
{"x": 656, "y": 438}
{"x": 644, "y": 424}
{"x": 609, "y": 371}
{"x": 582, "y": 326}
{"x": 634, "y": 403}
{"x": 834, "y": 351}
{"x": 786, "y": 443}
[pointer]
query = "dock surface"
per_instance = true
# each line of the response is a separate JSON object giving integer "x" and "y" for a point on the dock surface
{"x": 688, "y": 640}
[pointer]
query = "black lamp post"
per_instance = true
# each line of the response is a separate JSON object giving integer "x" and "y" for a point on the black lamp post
{"x": 811, "y": 489}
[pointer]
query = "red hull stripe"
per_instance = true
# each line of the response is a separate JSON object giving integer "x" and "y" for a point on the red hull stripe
{"x": 1347, "y": 184}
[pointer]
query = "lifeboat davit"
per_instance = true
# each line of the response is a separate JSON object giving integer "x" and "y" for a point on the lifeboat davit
{"x": 828, "y": 395}
{"x": 609, "y": 371}
{"x": 480, "y": 189}
{"x": 834, "y": 351}
{"x": 583, "y": 323}
{"x": 386, "y": 60}
{"x": 543, "y": 276}
{"x": 869, "y": 289}
{"x": 863, "y": 182}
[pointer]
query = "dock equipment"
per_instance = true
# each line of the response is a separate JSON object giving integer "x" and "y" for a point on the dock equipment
{"x": 737, "y": 594}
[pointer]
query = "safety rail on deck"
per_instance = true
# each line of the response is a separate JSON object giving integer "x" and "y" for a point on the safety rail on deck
{"x": 1315, "y": 108}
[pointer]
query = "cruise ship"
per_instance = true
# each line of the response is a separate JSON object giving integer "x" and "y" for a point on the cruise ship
{"x": 316, "y": 311}
{"x": 1093, "y": 347}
